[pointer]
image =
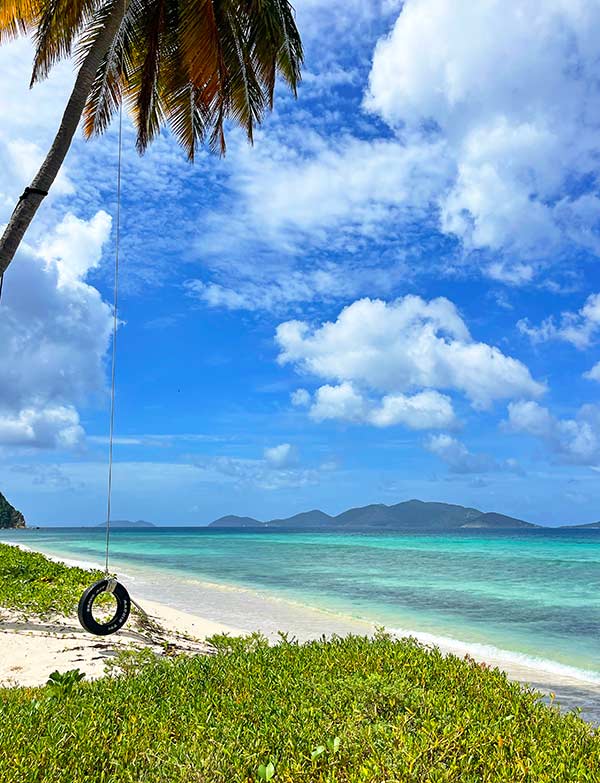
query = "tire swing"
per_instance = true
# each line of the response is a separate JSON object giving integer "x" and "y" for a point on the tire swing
{"x": 86, "y": 604}
{"x": 109, "y": 584}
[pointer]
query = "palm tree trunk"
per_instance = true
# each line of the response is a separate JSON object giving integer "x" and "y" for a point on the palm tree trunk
{"x": 33, "y": 196}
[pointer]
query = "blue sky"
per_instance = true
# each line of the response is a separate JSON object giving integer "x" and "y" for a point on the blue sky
{"x": 395, "y": 293}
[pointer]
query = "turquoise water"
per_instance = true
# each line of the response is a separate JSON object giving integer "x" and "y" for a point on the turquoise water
{"x": 535, "y": 593}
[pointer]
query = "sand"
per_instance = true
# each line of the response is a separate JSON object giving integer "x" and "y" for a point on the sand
{"x": 32, "y": 648}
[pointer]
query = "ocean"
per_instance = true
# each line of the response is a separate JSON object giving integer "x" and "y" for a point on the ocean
{"x": 533, "y": 594}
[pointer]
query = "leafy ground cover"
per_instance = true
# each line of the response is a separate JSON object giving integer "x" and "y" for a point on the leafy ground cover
{"x": 353, "y": 709}
{"x": 31, "y": 583}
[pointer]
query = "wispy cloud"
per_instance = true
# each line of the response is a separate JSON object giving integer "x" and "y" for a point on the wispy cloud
{"x": 162, "y": 440}
{"x": 460, "y": 460}
{"x": 578, "y": 328}
{"x": 571, "y": 440}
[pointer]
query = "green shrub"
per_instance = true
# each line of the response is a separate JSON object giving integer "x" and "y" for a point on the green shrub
{"x": 352, "y": 709}
{"x": 62, "y": 683}
{"x": 31, "y": 583}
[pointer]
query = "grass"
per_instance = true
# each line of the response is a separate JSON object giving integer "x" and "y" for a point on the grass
{"x": 353, "y": 709}
{"x": 32, "y": 584}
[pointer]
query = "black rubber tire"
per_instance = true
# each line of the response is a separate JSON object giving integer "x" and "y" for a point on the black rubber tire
{"x": 86, "y": 604}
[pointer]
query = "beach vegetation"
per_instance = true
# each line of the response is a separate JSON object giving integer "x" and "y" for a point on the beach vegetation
{"x": 64, "y": 682}
{"x": 266, "y": 771}
{"x": 351, "y": 709}
{"x": 33, "y": 584}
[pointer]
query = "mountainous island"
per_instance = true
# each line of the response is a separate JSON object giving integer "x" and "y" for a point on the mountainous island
{"x": 127, "y": 523}
{"x": 411, "y": 515}
{"x": 9, "y": 516}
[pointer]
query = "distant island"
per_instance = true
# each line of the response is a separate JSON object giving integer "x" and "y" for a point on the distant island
{"x": 127, "y": 523}
{"x": 9, "y": 516}
{"x": 411, "y": 515}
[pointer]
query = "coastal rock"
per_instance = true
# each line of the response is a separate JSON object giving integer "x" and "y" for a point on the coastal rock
{"x": 9, "y": 516}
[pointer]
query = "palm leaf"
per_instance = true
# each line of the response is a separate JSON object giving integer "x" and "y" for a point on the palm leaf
{"x": 276, "y": 42}
{"x": 201, "y": 53}
{"x": 187, "y": 118}
{"x": 192, "y": 63}
{"x": 183, "y": 103}
{"x": 60, "y": 23}
{"x": 18, "y": 17}
{"x": 146, "y": 73}
{"x": 114, "y": 71}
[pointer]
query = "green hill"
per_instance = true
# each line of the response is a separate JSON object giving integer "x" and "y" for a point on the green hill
{"x": 9, "y": 516}
{"x": 234, "y": 521}
{"x": 412, "y": 515}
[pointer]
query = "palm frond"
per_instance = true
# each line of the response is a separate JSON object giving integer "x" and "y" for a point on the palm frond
{"x": 195, "y": 64}
{"x": 233, "y": 49}
{"x": 200, "y": 44}
{"x": 202, "y": 57}
{"x": 18, "y": 17}
{"x": 114, "y": 72}
{"x": 60, "y": 23}
{"x": 248, "y": 98}
{"x": 290, "y": 54}
{"x": 187, "y": 118}
{"x": 275, "y": 41}
{"x": 144, "y": 82}
{"x": 182, "y": 102}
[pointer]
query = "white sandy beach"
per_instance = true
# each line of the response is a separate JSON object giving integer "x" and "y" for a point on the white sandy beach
{"x": 31, "y": 649}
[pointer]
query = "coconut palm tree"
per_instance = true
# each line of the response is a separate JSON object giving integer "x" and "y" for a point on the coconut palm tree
{"x": 192, "y": 64}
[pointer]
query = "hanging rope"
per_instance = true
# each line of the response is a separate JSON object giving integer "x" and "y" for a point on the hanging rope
{"x": 109, "y": 583}
{"x": 114, "y": 341}
{"x": 1, "y": 284}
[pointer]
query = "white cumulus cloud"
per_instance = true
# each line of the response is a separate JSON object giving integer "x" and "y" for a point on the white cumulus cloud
{"x": 48, "y": 426}
{"x": 405, "y": 347}
{"x": 54, "y": 333}
{"x": 460, "y": 460}
{"x": 514, "y": 91}
{"x": 303, "y": 191}
{"x": 425, "y": 410}
{"x": 493, "y": 137}
{"x": 300, "y": 398}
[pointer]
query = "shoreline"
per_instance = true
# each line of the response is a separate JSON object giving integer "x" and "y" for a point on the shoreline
{"x": 208, "y": 605}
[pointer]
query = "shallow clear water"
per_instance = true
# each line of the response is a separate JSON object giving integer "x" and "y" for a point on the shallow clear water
{"x": 535, "y": 593}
